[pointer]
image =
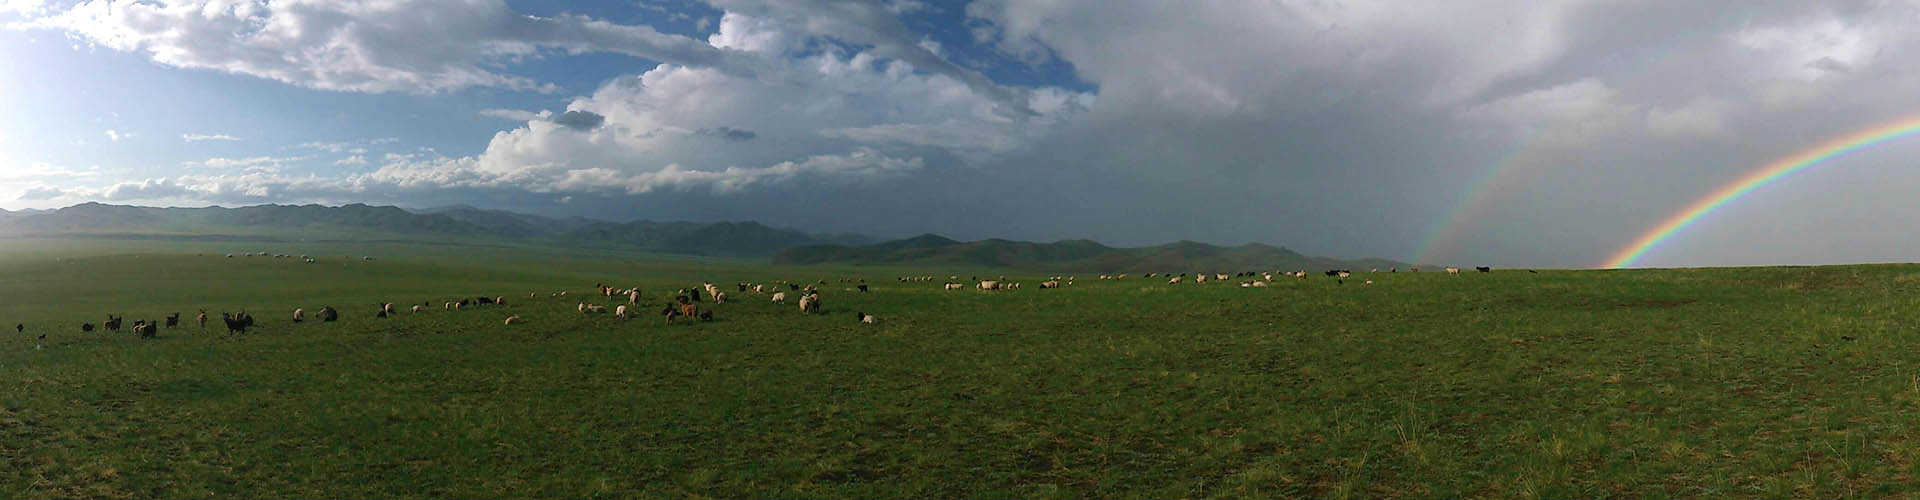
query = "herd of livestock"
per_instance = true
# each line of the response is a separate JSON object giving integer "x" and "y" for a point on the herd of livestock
{"x": 686, "y": 302}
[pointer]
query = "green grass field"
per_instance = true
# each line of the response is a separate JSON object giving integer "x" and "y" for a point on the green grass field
{"x": 1756, "y": 382}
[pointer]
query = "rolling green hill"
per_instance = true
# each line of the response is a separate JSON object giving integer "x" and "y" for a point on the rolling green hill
{"x": 1070, "y": 255}
{"x": 359, "y": 222}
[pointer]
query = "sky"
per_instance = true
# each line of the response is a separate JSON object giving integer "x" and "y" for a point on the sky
{"x": 1540, "y": 133}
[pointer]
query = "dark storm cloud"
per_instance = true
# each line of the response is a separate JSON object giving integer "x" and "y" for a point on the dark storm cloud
{"x": 579, "y": 120}
{"x": 728, "y": 133}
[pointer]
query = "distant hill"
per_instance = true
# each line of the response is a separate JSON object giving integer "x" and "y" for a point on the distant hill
{"x": 367, "y": 222}
{"x": 1071, "y": 255}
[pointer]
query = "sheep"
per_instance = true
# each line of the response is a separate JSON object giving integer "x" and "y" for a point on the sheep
{"x": 415, "y": 310}
{"x": 1199, "y": 278}
{"x": 1049, "y": 284}
{"x": 449, "y": 306}
{"x": 1453, "y": 271}
{"x": 86, "y": 327}
{"x": 1344, "y": 274}
{"x": 865, "y": 318}
{"x": 1174, "y": 280}
{"x": 592, "y": 309}
{"x": 955, "y": 286}
{"x": 500, "y": 301}
{"x": 387, "y": 308}
{"x": 582, "y": 308}
{"x": 620, "y": 312}
{"x": 1259, "y": 284}
{"x": 1483, "y": 269}
{"x": 299, "y": 315}
{"x": 633, "y": 297}
{"x": 143, "y": 329}
{"x": 862, "y": 287}
{"x": 779, "y": 297}
{"x": 202, "y": 318}
{"x": 512, "y": 319}
{"x": 810, "y": 304}
{"x": 329, "y": 314}
{"x": 989, "y": 285}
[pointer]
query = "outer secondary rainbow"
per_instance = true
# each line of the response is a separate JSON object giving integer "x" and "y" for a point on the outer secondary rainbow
{"x": 1772, "y": 172}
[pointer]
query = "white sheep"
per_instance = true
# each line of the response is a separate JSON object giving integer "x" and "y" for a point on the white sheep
{"x": 416, "y": 309}
{"x": 989, "y": 285}
{"x": 620, "y": 312}
{"x": 512, "y": 319}
{"x": 1174, "y": 280}
{"x": 299, "y": 315}
{"x": 1453, "y": 271}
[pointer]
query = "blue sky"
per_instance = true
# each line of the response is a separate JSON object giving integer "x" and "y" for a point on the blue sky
{"x": 1361, "y": 128}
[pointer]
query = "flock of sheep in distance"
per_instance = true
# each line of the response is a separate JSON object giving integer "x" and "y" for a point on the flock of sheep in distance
{"x": 685, "y": 303}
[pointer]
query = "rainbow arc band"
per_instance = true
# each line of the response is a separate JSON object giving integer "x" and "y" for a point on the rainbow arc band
{"x": 1757, "y": 179}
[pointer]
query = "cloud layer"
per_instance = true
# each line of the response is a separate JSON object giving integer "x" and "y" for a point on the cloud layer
{"x": 1531, "y": 133}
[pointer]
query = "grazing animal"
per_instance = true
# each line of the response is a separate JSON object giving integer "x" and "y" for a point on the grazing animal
{"x": 1453, "y": 271}
{"x": 328, "y": 314}
{"x": 594, "y": 309}
{"x": 863, "y": 288}
{"x": 865, "y": 318}
{"x": 989, "y": 285}
{"x": 299, "y": 315}
{"x": 112, "y": 323}
{"x": 690, "y": 310}
{"x": 620, "y": 312}
{"x": 143, "y": 329}
{"x": 1174, "y": 280}
{"x": 237, "y": 323}
{"x": 633, "y": 297}
{"x": 381, "y": 314}
{"x": 386, "y": 308}
{"x": 1483, "y": 269}
{"x": 780, "y": 297}
{"x": 202, "y": 318}
{"x": 173, "y": 321}
{"x": 22, "y": 328}
{"x": 706, "y": 315}
{"x": 721, "y": 297}
{"x": 810, "y": 304}
{"x": 513, "y": 319}
{"x": 956, "y": 286}
{"x": 669, "y": 312}
{"x": 414, "y": 310}
{"x": 86, "y": 327}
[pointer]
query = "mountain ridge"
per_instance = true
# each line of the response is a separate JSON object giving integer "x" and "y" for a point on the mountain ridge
{"x": 1077, "y": 255}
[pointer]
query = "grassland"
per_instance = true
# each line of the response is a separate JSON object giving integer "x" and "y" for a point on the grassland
{"x": 1757, "y": 382}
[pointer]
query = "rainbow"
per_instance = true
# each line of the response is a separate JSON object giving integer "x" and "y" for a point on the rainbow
{"x": 1775, "y": 171}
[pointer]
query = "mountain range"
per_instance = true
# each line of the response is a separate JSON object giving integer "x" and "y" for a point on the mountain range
{"x": 1071, "y": 256}
{"x": 359, "y": 222}
{"x": 366, "y": 222}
